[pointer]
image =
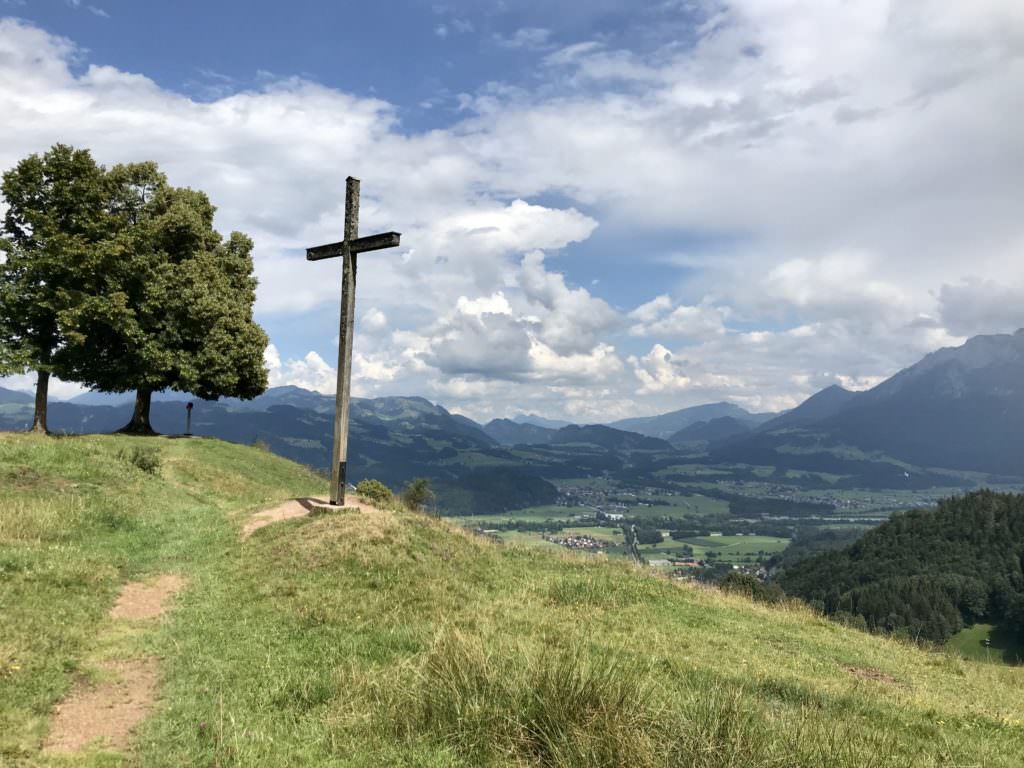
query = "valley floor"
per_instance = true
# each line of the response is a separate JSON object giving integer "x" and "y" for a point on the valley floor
{"x": 383, "y": 637}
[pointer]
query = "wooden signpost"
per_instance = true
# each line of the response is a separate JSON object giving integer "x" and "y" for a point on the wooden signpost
{"x": 347, "y": 249}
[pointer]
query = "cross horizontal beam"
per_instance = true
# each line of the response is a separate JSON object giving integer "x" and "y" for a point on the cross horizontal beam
{"x": 359, "y": 245}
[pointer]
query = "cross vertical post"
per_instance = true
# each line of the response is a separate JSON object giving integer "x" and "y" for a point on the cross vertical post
{"x": 339, "y": 451}
{"x": 348, "y": 250}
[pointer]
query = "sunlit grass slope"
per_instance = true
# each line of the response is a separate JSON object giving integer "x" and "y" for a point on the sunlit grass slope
{"x": 389, "y": 638}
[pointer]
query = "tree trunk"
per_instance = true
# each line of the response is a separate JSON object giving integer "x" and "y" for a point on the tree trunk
{"x": 139, "y": 425}
{"x": 42, "y": 390}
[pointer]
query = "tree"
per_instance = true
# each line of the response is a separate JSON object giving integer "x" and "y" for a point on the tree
{"x": 417, "y": 493}
{"x": 176, "y": 309}
{"x": 649, "y": 536}
{"x": 740, "y": 583}
{"x": 55, "y": 218}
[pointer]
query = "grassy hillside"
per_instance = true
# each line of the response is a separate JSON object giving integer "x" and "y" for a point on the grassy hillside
{"x": 368, "y": 639}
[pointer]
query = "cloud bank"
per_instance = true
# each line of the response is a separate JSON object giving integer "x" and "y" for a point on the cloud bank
{"x": 841, "y": 182}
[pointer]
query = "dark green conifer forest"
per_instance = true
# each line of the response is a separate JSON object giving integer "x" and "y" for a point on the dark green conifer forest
{"x": 926, "y": 574}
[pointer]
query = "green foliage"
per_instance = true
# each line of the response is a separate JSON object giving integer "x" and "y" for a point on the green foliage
{"x": 495, "y": 489}
{"x": 649, "y": 536}
{"x": 145, "y": 457}
{"x": 752, "y": 587}
{"x": 375, "y": 491}
{"x": 54, "y": 219}
{"x": 119, "y": 281}
{"x": 632, "y": 543}
{"x": 176, "y": 309}
{"x": 810, "y": 540}
{"x": 417, "y": 493}
{"x": 925, "y": 574}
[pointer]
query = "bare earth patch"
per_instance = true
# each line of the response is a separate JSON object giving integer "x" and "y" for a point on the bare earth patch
{"x": 865, "y": 673}
{"x": 141, "y": 600}
{"x": 291, "y": 509}
{"x": 105, "y": 714}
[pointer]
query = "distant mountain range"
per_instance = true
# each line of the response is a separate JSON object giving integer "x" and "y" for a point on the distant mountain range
{"x": 540, "y": 421}
{"x": 11, "y": 397}
{"x": 713, "y": 431}
{"x": 957, "y": 409}
{"x": 819, "y": 406}
{"x": 667, "y": 425}
{"x": 509, "y": 432}
{"x": 608, "y": 437}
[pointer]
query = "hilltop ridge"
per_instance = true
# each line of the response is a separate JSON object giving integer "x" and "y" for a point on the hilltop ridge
{"x": 390, "y": 637}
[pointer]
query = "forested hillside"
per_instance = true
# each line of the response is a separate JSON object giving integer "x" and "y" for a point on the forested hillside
{"x": 926, "y": 573}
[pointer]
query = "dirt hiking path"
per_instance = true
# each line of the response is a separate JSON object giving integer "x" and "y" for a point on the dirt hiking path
{"x": 295, "y": 508}
{"x": 140, "y": 600}
{"x": 105, "y": 713}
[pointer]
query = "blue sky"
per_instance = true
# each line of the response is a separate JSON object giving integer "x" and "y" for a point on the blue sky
{"x": 608, "y": 208}
{"x": 417, "y": 55}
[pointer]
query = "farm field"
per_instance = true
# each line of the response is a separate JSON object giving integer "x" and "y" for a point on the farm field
{"x": 595, "y": 532}
{"x": 970, "y": 642}
{"x": 528, "y": 539}
{"x": 739, "y": 545}
{"x": 758, "y": 510}
{"x": 682, "y": 505}
{"x": 528, "y": 515}
{"x": 727, "y": 549}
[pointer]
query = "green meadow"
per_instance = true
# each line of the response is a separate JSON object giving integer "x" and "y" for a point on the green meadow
{"x": 984, "y": 642}
{"x": 391, "y": 638}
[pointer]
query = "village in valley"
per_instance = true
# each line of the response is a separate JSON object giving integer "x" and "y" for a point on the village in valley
{"x": 691, "y": 535}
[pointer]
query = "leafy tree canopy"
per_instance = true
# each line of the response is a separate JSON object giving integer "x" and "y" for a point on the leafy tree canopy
{"x": 56, "y": 214}
{"x": 119, "y": 281}
{"x": 175, "y": 311}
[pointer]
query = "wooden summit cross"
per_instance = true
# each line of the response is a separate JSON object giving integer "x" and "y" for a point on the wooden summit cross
{"x": 347, "y": 249}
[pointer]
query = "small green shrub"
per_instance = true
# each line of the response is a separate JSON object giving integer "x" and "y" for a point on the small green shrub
{"x": 752, "y": 587}
{"x": 417, "y": 494}
{"x": 261, "y": 445}
{"x": 143, "y": 457}
{"x": 375, "y": 491}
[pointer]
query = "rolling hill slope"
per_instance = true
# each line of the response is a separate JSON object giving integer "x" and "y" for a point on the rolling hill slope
{"x": 393, "y": 439}
{"x": 11, "y": 397}
{"x": 386, "y": 638}
{"x": 608, "y": 438}
{"x": 667, "y": 424}
{"x": 817, "y": 407}
{"x": 508, "y": 432}
{"x": 713, "y": 431}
